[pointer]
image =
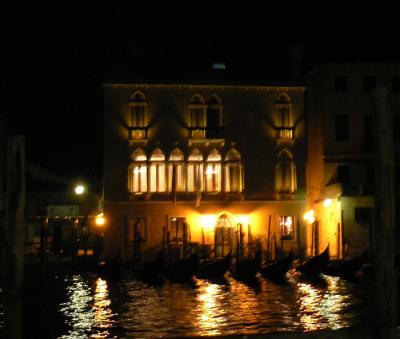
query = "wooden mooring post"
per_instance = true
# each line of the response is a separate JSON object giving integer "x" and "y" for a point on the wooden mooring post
{"x": 14, "y": 237}
{"x": 384, "y": 222}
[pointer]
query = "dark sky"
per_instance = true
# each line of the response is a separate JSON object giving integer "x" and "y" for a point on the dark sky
{"x": 55, "y": 60}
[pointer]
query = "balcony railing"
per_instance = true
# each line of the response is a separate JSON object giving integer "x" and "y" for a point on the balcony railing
{"x": 284, "y": 133}
{"x": 206, "y": 132}
{"x": 138, "y": 133}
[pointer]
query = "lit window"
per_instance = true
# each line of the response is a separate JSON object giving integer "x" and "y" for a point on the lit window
{"x": 286, "y": 226}
{"x": 283, "y": 118}
{"x": 137, "y": 176}
{"x": 138, "y": 107}
{"x": 233, "y": 172}
{"x": 176, "y": 171}
{"x": 213, "y": 172}
{"x": 195, "y": 171}
{"x": 157, "y": 171}
{"x": 197, "y": 109}
{"x": 285, "y": 173}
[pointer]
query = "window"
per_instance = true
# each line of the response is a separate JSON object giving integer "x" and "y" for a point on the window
{"x": 137, "y": 176}
{"x": 285, "y": 173}
{"x": 137, "y": 229}
{"x": 176, "y": 171}
{"x": 369, "y": 82}
{"x": 342, "y": 127}
{"x": 213, "y": 116}
{"x": 157, "y": 171}
{"x": 286, "y": 227}
{"x": 138, "y": 107}
{"x": 195, "y": 171}
{"x": 197, "y": 110}
{"x": 343, "y": 174}
{"x": 233, "y": 172}
{"x": 213, "y": 172}
{"x": 340, "y": 84}
{"x": 396, "y": 84}
{"x": 283, "y": 116}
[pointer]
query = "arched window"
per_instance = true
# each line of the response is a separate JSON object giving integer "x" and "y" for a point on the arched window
{"x": 157, "y": 171}
{"x": 285, "y": 173}
{"x": 176, "y": 174}
{"x": 138, "y": 108}
{"x": 283, "y": 109}
{"x": 233, "y": 172}
{"x": 197, "y": 109}
{"x": 195, "y": 171}
{"x": 137, "y": 174}
{"x": 213, "y": 172}
{"x": 213, "y": 116}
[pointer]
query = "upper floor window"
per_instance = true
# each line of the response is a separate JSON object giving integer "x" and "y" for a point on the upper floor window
{"x": 286, "y": 225}
{"x": 137, "y": 176}
{"x": 176, "y": 169}
{"x": 233, "y": 172}
{"x": 157, "y": 171}
{"x": 195, "y": 171}
{"x": 213, "y": 172}
{"x": 138, "y": 112}
{"x": 369, "y": 82}
{"x": 342, "y": 127}
{"x": 285, "y": 173}
{"x": 283, "y": 116}
{"x": 213, "y": 116}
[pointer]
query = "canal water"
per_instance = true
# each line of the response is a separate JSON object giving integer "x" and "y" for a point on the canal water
{"x": 89, "y": 306}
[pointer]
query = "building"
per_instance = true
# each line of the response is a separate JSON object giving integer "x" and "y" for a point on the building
{"x": 341, "y": 151}
{"x": 206, "y": 162}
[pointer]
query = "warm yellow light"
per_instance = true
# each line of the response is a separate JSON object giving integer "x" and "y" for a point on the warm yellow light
{"x": 79, "y": 189}
{"x": 208, "y": 222}
{"x": 309, "y": 216}
{"x": 327, "y": 202}
{"x": 242, "y": 219}
{"x": 210, "y": 170}
{"x": 100, "y": 220}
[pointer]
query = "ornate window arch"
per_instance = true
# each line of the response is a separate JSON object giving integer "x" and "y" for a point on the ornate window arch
{"x": 137, "y": 172}
{"x": 213, "y": 115}
{"x": 176, "y": 173}
{"x": 197, "y": 107}
{"x": 138, "y": 115}
{"x": 195, "y": 171}
{"x": 285, "y": 173}
{"x": 213, "y": 172}
{"x": 233, "y": 171}
{"x": 283, "y": 110}
{"x": 157, "y": 171}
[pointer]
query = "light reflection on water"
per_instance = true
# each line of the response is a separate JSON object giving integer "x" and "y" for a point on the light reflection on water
{"x": 97, "y": 308}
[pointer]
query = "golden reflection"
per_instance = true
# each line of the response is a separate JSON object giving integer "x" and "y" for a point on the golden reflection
{"x": 101, "y": 309}
{"x": 322, "y": 308}
{"x": 211, "y": 316}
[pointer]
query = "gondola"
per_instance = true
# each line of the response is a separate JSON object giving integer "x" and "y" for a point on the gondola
{"x": 247, "y": 268}
{"x": 315, "y": 265}
{"x": 214, "y": 268}
{"x": 277, "y": 269}
{"x": 182, "y": 269}
{"x": 149, "y": 268}
{"x": 111, "y": 268}
{"x": 348, "y": 267}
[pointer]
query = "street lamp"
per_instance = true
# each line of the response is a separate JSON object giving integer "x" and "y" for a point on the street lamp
{"x": 79, "y": 189}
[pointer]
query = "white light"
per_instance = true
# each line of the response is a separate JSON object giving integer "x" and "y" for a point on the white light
{"x": 211, "y": 171}
{"x": 309, "y": 216}
{"x": 327, "y": 202}
{"x": 79, "y": 189}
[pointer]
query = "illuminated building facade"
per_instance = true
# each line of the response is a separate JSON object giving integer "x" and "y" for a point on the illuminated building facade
{"x": 340, "y": 151}
{"x": 204, "y": 160}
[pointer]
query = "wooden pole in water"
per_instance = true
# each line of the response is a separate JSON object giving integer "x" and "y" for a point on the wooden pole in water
{"x": 14, "y": 246}
{"x": 385, "y": 233}
{"x": 269, "y": 238}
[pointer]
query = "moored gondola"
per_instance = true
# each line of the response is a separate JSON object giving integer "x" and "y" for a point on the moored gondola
{"x": 347, "y": 268}
{"x": 149, "y": 267}
{"x": 315, "y": 265}
{"x": 247, "y": 268}
{"x": 182, "y": 269}
{"x": 277, "y": 270}
{"x": 214, "y": 268}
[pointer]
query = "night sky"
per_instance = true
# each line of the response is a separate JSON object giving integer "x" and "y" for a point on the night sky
{"x": 55, "y": 60}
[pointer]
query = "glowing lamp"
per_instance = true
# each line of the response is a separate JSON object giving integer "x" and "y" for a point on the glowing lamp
{"x": 208, "y": 222}
{"x": 327, "y": 202}
{"x": 79, "y": 189}
{"x": 309, "y": 216}
{"x": 100, "y": 220}
{"x": 242, "y": 219}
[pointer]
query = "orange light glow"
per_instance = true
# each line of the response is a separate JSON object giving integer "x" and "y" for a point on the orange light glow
{"x": 242, "y": 219}
{"x": 100, "y": 220}
{"x": 327, "y": 202}
{"x": 208, "y": 222}
{"x": 309, "y": 216}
